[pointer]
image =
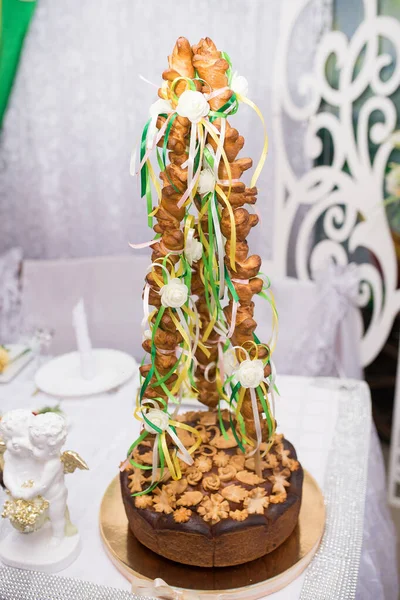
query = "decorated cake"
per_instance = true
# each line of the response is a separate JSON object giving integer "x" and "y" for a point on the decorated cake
{"x": 213, "y": 487}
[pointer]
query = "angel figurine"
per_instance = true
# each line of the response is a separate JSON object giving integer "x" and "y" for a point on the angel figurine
{"x": 34, "y": 470}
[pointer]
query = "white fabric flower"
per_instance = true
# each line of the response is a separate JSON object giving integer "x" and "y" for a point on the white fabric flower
{"x": 206, "y": 182}
{"x": 231, "y": 362}
{"x": 239, "y": 84}
{"x": 174, "y": 293}
{"x": 393, "y": 181}
{"x": 250, "y": 373}
{"x": 159, "y": 107}
{"x": 147, "y": 334}
{"x": 192, "y": 105}
{"x": 193, "y": 248}
{"x": 159, "y": 418}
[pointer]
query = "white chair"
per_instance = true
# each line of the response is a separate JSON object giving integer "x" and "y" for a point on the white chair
{"x": 112, "y": 287}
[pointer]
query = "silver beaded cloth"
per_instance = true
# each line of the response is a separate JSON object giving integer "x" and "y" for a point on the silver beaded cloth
{"x": 333, "y": 573}
{"x": 31, "y": 585}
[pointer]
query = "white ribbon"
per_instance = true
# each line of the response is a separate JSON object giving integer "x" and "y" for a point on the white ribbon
{"x": 146, "y": 310}
{"x": 220, "y": 248}
{"x": 257, "y": 422}
{"x": 253, "y": 397}
{"x": 227, "y": 182}
{"x": 151, "y": 243}
{"x": 231, "y": 329}
{"x": 220, "y": 146}
{"x": 183, "y": 454}
{"x": 190, "y": 163}
{"x": 197, "y": 326}
{"x": 207, "y": 370}
{"x": 192, "y": 153}
{"x": 216, "y": 93}
{"x": 160, "y": 589}
{"x": 156, "y": 139}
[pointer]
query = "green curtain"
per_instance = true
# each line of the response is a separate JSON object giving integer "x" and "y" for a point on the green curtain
{"x": 15, "y": 18}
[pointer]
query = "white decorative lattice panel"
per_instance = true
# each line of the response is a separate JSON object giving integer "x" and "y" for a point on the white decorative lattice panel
{"x": 337, "y": 210}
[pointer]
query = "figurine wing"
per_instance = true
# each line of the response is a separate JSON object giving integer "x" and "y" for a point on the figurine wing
{"x": 72, "y": 461}
{"x": 3, "y": 448}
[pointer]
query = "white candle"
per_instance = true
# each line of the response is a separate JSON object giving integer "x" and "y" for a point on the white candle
{"x": 83, "y": 342}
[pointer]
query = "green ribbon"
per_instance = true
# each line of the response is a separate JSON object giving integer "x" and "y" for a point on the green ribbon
{"x": 230, "y": 285}
{"x": 229, "y": 71}
{"x": 233, "y": 399}
{"x": 221, "y": 113}
{"x": 145, "y": 186}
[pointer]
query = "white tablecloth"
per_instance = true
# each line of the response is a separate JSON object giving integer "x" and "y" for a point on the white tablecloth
{"x": 102, "y": 428}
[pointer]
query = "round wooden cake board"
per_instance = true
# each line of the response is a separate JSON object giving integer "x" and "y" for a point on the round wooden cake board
{"x": 249, "y": 581}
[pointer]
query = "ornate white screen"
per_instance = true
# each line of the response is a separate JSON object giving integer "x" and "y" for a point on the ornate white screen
{"x": 343, "y": 202}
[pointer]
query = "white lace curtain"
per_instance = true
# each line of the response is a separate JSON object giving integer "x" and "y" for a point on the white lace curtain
{"x": 78, "y": 105}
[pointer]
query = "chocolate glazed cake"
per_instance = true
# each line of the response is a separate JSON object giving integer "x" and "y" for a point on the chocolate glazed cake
{"x": 220, "y": 513}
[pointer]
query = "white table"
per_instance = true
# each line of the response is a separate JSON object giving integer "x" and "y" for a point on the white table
{"x": 102, "y": 429}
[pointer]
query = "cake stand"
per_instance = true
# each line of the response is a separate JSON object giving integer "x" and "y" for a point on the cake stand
{"x": 153, "y": 575}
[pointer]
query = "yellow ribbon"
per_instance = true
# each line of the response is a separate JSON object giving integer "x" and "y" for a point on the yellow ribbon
{"x": 154, "y": 180}
{"x": 232, "y": 253}
{"x": 173, "y": 463}
{"x": 222, "y": 194}
{"x": 264, "y": 152}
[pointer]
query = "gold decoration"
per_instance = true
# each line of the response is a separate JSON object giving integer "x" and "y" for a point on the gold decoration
{"x": 183, "y": 466}
{"x": 238, "y": 515}
{"x": 211, "y": 483}
{"x": 208, "y": 418}
{"x": 220, "y": 459}
{"x": 164, "y": 501}
{"x": 190, "y": 499}
{"x": 28, "y": 484}
{"x": 72, "y": 461}
{"x": 26, "y": 515}
{"x": 193, "y": 475}
{"x": 136, "y": 480}
{"x": 271, "y": 461}
{"x": 185, "y": 437}
{"x": 227, "y": 473}
{"x": 278, "y": 442}
{"x": 206, "y": 450}
{"x": 165, "y": 476}
{"x": 146, "y": 458}
{"x": 250, "y": 464}
{"x": 220, "y": 442}
{"x": 278, "y": 498}
{"x": 256, "y": 501}
{"x": 3, "y": 448}
{"x": 191, "y": 416}
{"x": 144, "y": 501}
{"x": 182, "y": 515}
{"x": 249, "y": 478}
{"x": 203, "y": 433}
{"x": 235, "y": 493}
{"x": 214, "y": 508}
{"x": 4, "y": 358}
{"x": 292, "y": 464}
{"x": 203, "y": 464}
{"x": 279, "y": 481}
{"x": 177, "y": 487}
{"x": 237, "y": 461}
